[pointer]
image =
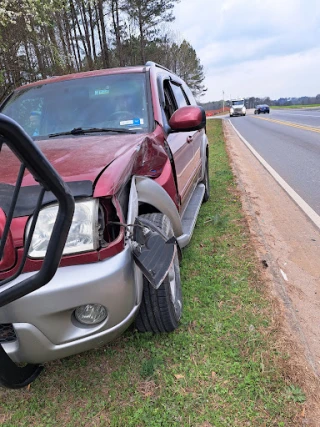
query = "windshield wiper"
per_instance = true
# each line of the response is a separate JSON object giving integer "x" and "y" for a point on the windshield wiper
{"x": 82, "y": 131}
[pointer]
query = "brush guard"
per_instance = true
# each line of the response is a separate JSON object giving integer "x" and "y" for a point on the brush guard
{"x": 31, "y": 160}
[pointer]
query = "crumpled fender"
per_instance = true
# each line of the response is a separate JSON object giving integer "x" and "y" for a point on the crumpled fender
{"x": 152, "y": 251}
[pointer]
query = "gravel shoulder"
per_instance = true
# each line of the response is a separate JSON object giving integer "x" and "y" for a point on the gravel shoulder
{"x": 288, "y": 245}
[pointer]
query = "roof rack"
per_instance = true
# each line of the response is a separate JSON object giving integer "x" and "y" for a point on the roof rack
{"x": 154, "y": 64}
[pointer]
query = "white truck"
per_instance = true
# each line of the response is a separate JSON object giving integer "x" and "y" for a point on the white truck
{"x": 237, "y": 107}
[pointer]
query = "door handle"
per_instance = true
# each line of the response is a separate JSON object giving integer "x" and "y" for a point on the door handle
{"x": 189, "y": 139}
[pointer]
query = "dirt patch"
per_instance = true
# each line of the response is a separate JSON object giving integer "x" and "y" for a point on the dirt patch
{"x": 288, "y": 245}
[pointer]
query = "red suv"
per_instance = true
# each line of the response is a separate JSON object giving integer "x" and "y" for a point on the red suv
{"x": 131, "y": 145}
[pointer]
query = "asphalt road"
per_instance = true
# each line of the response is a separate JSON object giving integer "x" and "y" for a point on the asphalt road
{"x": 309, "y": 117}
{"x": 290, "y": 142}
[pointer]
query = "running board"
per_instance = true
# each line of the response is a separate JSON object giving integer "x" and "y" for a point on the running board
{"x": 190, "y": 215}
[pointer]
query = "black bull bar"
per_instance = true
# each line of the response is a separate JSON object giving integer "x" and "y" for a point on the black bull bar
{"x": 32, "y": 160}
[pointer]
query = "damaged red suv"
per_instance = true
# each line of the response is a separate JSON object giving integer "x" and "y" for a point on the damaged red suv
{"x": 131, "y": 145}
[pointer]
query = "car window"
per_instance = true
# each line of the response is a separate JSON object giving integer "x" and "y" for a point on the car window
{"x": 180, "y": 96}
{"x": 115, "y": 100}
{"x": 169, "y": 100}
{"x": 28, "y": 114}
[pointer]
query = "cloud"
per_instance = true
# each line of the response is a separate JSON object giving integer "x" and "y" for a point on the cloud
{"x": 234, "y": 37}
{"x": 290, "y": 75}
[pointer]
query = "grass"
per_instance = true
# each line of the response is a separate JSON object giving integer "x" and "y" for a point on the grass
{"x": 296, "y": 106}
{"x": 220, "y": 368}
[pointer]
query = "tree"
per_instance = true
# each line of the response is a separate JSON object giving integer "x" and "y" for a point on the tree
{"x": 186, "y": 64}
{"x": 42, "y": 38}
{"x": 148, "y": 15}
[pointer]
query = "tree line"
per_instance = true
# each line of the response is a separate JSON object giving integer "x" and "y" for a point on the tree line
{"x": 44, "y": 38}
{"x": 253, "y": 101}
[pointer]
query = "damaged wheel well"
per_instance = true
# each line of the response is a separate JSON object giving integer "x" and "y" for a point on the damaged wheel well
{"x": 146, "y": 208}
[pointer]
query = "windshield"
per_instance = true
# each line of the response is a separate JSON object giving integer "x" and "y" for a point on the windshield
{"x": 117, "y": 101}
{"x": 241, "y": 102}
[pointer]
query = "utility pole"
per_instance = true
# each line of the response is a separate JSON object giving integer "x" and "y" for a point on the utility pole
{"x": 223, "y": 100}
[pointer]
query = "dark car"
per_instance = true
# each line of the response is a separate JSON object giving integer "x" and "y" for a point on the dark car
{"x": 131, "y": 145}
{"x": 263, "y": 108}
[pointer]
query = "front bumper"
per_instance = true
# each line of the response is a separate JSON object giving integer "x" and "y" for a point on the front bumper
{"x": 44, "y": 323}
{"x": 237, "y": 112}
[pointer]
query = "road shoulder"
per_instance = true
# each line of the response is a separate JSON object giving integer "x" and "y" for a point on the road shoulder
{"x": 288, "y": 245}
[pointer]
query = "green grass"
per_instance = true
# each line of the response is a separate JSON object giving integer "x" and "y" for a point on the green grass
{"x": 296, "y": 106}
{"x": 220, "y": 368}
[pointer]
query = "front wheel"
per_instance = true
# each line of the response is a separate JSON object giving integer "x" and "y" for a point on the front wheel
{"x": 161, "y": 309}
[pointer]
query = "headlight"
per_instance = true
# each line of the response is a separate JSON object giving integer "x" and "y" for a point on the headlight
{"x": 243, "y": 109}
{"x": 83, "y": 234}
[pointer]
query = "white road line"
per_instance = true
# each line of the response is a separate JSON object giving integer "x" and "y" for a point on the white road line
{"x": 311, "y": 214}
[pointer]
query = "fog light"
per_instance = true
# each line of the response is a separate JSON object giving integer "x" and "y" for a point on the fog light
{"x": 90, "y": 314}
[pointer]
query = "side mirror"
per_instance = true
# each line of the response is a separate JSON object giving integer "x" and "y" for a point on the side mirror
{"x": 188, "y": 118}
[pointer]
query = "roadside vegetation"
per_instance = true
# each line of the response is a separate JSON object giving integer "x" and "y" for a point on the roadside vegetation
{"x": 220, "y": 368}
{"x": 44, "y": 38}
{"x": 295, "y": 106}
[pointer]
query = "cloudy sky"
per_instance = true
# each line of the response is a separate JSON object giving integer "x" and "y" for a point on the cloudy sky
{"x": 254, "y": 47}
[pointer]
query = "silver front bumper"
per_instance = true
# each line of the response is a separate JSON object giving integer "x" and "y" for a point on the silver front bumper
{"x": 237, "y": 111}
{"x": 44, "y": 322}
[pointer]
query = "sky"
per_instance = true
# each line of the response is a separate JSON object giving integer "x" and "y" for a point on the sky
{"x": 254, "y": 47}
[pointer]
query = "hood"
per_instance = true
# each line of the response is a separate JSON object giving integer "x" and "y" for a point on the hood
{"x": 76, "y": 158}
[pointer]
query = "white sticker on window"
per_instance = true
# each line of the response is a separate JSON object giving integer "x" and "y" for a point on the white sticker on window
{"x": 101, "y": 91}
{"x": 135, "y": 122}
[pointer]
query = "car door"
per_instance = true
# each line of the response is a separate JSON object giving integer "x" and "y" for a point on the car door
{"x": 195, "y": 137}
{"x": 185, "y": 146}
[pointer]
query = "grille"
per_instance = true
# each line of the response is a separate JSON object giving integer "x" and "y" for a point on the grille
{"x": 7, "y": 333}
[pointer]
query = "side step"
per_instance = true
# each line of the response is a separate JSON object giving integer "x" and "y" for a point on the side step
{"x": 190, "y": 216}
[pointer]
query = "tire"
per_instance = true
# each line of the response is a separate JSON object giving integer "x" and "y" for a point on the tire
{"x": 206, "y": 183}
{"x": 161, "y": 309}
